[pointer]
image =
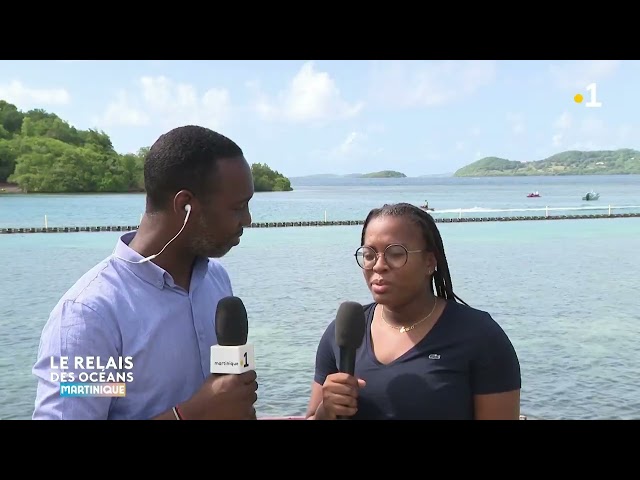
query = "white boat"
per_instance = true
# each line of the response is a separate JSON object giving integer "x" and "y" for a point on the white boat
{"x": 591, "y": 196}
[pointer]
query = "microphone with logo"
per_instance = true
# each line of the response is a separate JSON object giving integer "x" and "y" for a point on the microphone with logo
{"x": 350, "y": 327}
{"x": 232, "y": 355}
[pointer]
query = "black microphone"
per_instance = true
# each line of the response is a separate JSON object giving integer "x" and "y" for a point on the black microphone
{"x": 350, "y": 327}
{"x": 232, "y": 354}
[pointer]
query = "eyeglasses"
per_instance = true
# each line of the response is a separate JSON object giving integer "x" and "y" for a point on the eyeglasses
{"x": 395, "y": 256}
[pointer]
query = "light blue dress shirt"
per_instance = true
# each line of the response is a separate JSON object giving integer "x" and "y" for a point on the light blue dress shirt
{"x": 120, "y": 309}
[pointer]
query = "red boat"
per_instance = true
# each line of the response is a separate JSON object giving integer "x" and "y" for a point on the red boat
{"x": 533, "y": 195}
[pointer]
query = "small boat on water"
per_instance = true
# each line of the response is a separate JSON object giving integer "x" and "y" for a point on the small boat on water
{"x": 426, "y": 207}
{"x": 534, "y": 195}
{"x": 591, "y": 196}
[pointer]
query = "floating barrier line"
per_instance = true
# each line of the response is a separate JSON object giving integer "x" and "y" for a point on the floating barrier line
{"x": 608, "y": 208}
{"x": 330, "y": 223}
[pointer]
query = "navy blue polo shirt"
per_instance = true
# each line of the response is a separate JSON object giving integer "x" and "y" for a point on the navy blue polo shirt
{"x": 466, "y": 353}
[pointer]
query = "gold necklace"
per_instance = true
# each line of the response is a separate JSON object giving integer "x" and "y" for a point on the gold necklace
{"x": 404, "y": 329}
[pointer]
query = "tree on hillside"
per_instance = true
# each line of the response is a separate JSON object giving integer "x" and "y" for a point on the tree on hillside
{"x": 267, "y": 180}
{"x": 41, "y": 152}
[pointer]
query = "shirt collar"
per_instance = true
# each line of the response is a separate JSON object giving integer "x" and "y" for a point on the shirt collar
{"x": 149, "y": 271}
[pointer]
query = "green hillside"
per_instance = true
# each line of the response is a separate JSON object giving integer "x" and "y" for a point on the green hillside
{"x": 381, "y": 174}
{"x": 601, "y": 162}
{"x": 42, "y": 153}
{"x": 384, "y": 174}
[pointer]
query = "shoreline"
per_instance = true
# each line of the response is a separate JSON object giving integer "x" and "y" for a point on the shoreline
{"x": 10, "y": 188}
{"x": 14, "y": 189}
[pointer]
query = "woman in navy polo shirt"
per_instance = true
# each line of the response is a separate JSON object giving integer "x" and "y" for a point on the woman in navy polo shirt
{"x": 426, "y": 354}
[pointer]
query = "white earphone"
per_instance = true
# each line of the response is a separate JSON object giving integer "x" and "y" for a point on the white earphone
{"x": 187, "y": 209}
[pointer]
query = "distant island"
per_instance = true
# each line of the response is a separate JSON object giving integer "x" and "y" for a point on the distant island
{"x": 624, "y": 161}
{"x": 42, "y": 153}
{"x": 381, "y": 174}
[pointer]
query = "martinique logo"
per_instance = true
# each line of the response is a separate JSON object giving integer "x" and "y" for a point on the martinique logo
{"x": 233, "y": 363}
{"x": 226, "y": 364}
{"x": 92, "y": 376}
{"x": 68, "y": 389}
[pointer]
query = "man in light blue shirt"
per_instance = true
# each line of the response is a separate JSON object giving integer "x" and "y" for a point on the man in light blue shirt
{"x": 158, "y": 311}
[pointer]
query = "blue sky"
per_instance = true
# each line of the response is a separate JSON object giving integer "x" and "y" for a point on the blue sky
{"x": 306, "y": 117}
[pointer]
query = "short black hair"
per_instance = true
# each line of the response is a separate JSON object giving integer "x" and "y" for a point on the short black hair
{"x": 441, "y": 280}
{"x": 184, "y": 158}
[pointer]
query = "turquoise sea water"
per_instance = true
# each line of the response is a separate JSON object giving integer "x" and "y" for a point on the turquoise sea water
{"x": 348, "y": 199}
{"x": 565, "y": 292}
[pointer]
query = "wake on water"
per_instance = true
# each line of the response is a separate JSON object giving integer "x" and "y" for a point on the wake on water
{"x": 538, "y": 209}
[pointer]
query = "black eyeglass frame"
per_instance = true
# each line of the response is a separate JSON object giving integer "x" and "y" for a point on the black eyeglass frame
{"x": 378, "y": 254}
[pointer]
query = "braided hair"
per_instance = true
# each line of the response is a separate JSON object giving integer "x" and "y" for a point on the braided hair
{"x": 441, "y": 282}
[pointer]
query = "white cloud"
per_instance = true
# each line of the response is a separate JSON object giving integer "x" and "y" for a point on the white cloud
{"x": 591, "y": 133}
{"x": 168, "y": 103}
{"x": 428, "y": 84}
{"x": 351, "y": 146}
{"x": 120, "y": 112}
{"x": 516, "y": 122}
{"x": 25, "y": 97}
{"x": 578, "y": 74}
{"x": 563, "y": 122}
{"x": 310, "y": 97}
{"x": 556, "y": 140}
{"x": 473, "y": 134}
{"x": 356, "y": 151}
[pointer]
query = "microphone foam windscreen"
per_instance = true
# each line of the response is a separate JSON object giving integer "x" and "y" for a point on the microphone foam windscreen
{"x": 350, "y": 325}
{"x": 232, "y": 326}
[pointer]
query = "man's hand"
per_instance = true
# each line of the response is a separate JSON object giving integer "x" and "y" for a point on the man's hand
{"x": 224, "y": 397}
